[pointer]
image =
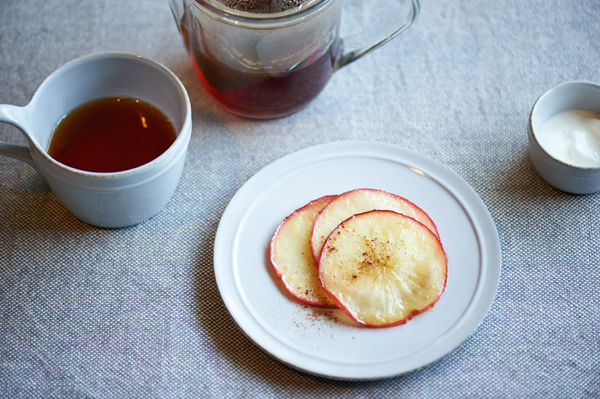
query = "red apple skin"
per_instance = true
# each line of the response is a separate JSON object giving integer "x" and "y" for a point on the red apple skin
{"x": 325, "y": 199}
{"x": 316, "y": 251}
{"x": 414, "y": 312}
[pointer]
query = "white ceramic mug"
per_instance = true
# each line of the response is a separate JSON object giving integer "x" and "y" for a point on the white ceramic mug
{"x": 115, "y": 199}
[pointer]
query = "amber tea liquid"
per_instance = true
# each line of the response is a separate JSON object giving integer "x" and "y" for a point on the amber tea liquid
{"x": 111, "y": 135}
{"x": 263, "y": 95}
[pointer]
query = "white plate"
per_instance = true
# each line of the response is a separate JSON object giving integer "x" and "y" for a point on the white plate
{"x": 325, "y": 342}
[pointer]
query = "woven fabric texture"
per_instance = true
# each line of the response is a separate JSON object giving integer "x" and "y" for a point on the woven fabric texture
{"x": 136, "y": 313}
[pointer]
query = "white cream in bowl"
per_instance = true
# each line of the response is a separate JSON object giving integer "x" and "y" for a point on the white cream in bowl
{"x": 573, "y": 137}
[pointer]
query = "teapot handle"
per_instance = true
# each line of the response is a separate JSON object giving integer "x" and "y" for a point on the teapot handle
{"x": 398, "y": 16}
{"x": 12, "y": 114}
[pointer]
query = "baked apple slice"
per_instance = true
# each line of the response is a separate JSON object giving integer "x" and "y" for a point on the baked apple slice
{"x": 382, "y": 268}
{"x": 359, "y": 201}
{"x": 292, "y": 258}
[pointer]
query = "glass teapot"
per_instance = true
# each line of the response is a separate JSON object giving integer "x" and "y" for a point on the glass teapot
{"x": 266, "y": 63}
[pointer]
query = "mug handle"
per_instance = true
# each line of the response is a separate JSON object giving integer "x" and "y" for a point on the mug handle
{"x": 12, "y": 114}
{"x": 354, "y": 47}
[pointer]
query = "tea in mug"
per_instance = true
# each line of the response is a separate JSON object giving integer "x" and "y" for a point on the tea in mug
{"x": 111, "y": 134}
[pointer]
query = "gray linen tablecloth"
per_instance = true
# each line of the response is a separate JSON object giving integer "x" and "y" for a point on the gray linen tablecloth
{"x": 135, "y": 313}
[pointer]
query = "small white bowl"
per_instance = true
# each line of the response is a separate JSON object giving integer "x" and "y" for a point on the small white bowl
{"x": 563, "y": 97}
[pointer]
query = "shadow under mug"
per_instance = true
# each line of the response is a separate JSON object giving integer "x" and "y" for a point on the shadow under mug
{"x": 272, "y": 65}
{"x": 116, "y": 199}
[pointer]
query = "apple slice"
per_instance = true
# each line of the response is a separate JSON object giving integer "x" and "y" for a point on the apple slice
{"x": 359, "y": 201}
{"x": 292, "y": 258}
{"x": 382, "y": 268}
